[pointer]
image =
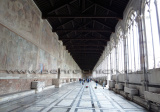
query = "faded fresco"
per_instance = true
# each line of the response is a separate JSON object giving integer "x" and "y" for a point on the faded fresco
{"x": 27, "y": 43}
{"x": 16, "y": 53}
{"x": 46, "y": 61}
{"x": 20, "y": 17}
{"x": 3, "y": 48}
{"x": 46, "y": 39}
{"x": 56, "y": 46}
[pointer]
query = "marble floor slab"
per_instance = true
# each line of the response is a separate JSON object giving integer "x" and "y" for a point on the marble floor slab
{"x": 73, "y": 97}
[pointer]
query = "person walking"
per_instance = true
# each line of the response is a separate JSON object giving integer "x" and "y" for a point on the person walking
{"x": 96, "y": 83}
{"x": 80, "y": 80}
{"x": 104, "y": 84}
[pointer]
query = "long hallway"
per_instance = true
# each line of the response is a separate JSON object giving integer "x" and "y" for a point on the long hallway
{"x": 73, "y": 97}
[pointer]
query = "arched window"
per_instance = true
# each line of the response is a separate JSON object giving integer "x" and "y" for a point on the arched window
{"x": 152, "y": 26}
{"x": 120, "y": 52}
{"x": 133, "y": 43}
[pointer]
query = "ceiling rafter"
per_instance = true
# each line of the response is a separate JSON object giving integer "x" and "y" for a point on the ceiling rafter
{"x": 107, "y": 7}
{"x": 87, "y": 52}
{"x": 88, "y": 8}
{"x": 77, "y": 28}
{"x": 87, "y": 33}
{"x": 81, "y": 16}
{"x": 95, "y": 47}
{"x": 85, "y": 43}
{"x": 96, "y": 39}
{"x": 83, "y": 30}
{"x": 103, "y": 24}
{"x": 52, "y": 2}
{"x": 60, "y": 5}
{"x": 66, "y": 22}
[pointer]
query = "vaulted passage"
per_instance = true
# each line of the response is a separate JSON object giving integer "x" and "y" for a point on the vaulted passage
{"x": 48, "y": 46}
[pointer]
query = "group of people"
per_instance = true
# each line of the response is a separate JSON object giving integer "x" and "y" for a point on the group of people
{"x": 104, "y": 83}
{"x": 84, "y": 80}
{"x": 89, "y": 80}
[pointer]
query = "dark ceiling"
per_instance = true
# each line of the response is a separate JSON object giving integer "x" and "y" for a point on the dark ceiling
{"x": 84, "y": 26}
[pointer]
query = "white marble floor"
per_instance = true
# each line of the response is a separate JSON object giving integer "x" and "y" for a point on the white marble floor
{"x": 73, "y": 97}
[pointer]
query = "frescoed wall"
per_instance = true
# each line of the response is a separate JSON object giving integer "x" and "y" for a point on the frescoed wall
{"x": 21, "y": 16}
{"x": 28, "y": 43}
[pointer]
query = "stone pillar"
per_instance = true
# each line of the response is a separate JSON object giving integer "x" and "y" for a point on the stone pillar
{"x": 56, "y": 82}
{"x": 116, "y": 52}
{"x": 111, "y": 66}
{"x": 143, "y": 53}
{"x": 71, "y": 80}
{"x": 75, "y": 80}
{"x": 126, "y": 60}
{"x": 58, "y": 73}
{"x": 68, "y": 80}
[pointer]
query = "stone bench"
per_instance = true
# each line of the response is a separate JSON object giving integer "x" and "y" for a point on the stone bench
{"x": 119, "y": 86}
{"x": 67, "y": 80}
{"x": 39, "y": 86}
{"x": 57, "y": 82}
{"x": 131, "y": 91}
{"x": 112, "y": 83}
{"x": 75, "y": 80}
{"x": 71, "y": 80}
{"x": 151, "y": 96}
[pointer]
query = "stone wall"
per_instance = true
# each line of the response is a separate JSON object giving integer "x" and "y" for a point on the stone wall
{"x": 17, "y": 85}
{"x": 28, "y": 43}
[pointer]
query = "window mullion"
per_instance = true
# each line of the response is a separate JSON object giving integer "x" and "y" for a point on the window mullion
{"x": 134, "y": 45}
{"x": 122, "y": 53}
{"x": 130, "y": 53}
{"x": 120, "y": 68}
{"x": 157, "y": 18}
{"x": 138, "y": 48}
{"x": 152, "y": 39}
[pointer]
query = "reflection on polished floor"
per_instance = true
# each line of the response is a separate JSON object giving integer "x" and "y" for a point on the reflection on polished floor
{"x": 73, "y": 97}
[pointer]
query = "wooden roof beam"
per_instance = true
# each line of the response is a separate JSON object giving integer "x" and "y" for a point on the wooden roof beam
{"x": 96, "y": 39}
{"x": 80, "y": 16}
{"x": 82, "y": 30}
